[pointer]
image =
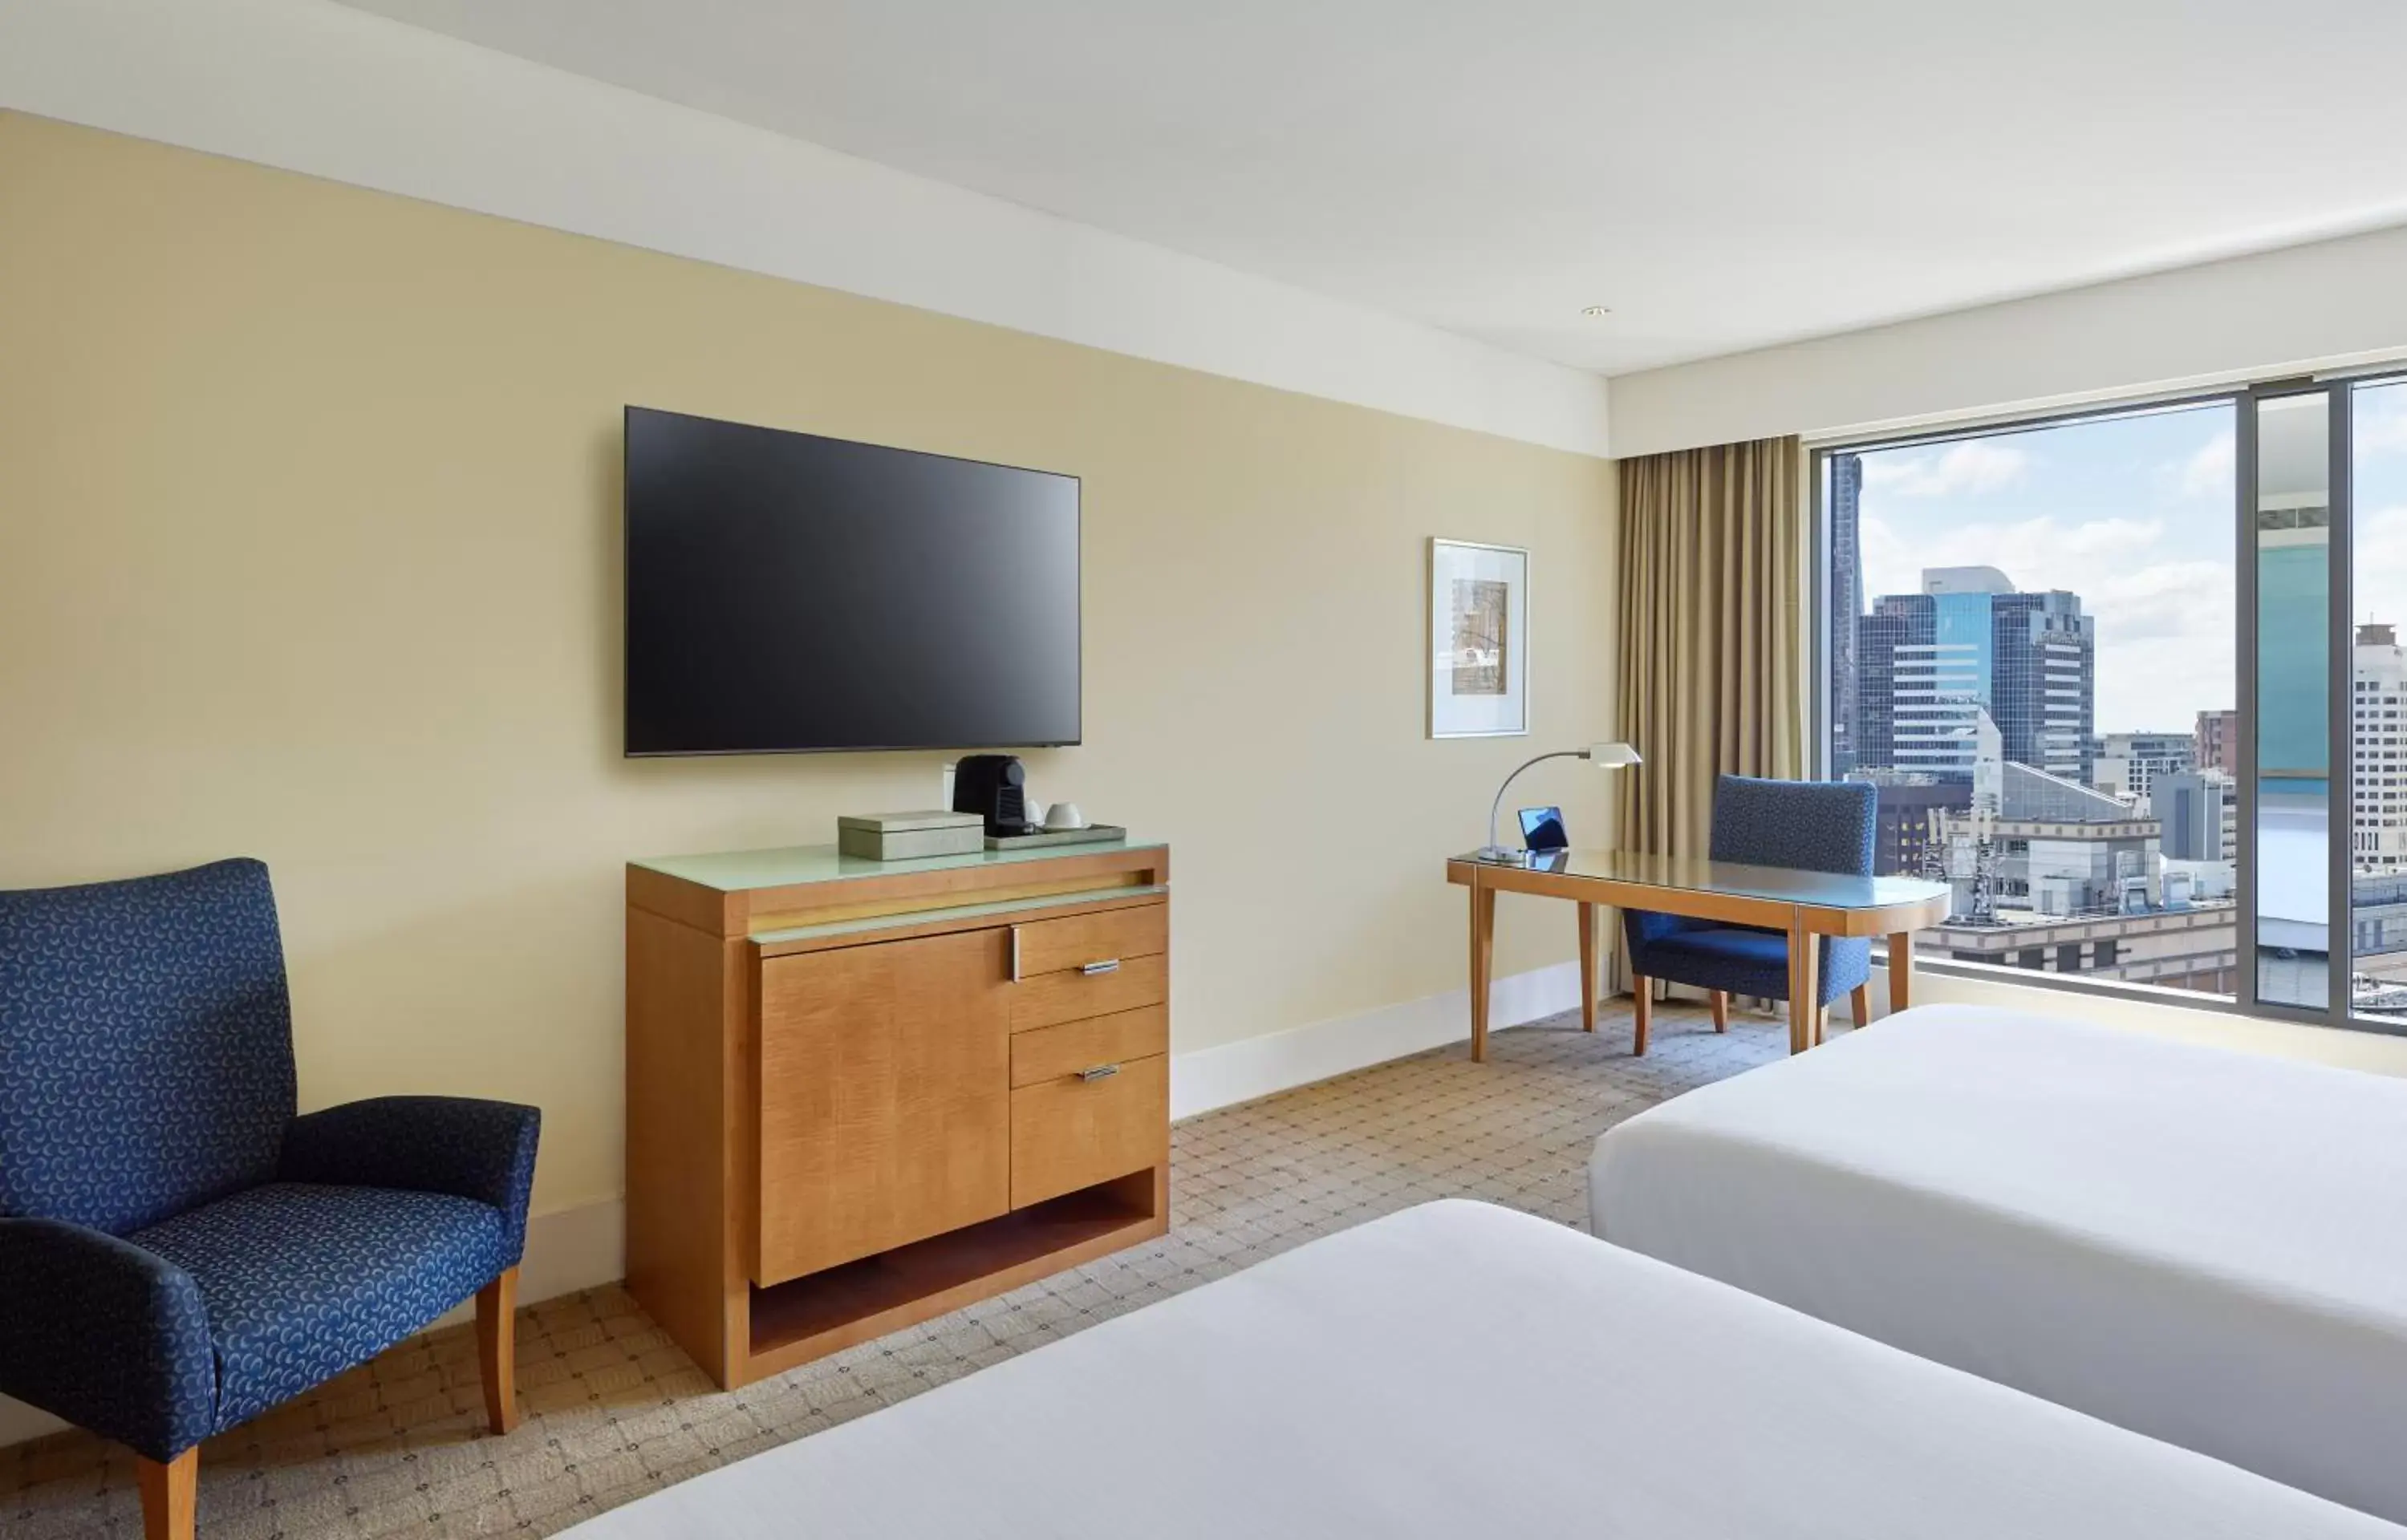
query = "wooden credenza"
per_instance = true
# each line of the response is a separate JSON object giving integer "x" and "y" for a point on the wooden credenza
{"x": 861, "y": 1093}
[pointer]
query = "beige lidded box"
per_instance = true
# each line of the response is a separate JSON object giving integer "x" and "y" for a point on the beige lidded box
{"x": 908, "y": 836}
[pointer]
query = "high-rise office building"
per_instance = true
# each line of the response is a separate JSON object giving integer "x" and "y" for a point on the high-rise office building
{"x": 2218, "y": 740}
{"x": 2378, "y": 832}
{"x": 1930, "y": 667}
{"x": 2129, "y": 764}
{"x": 2192, "y": 807}
{"x": 1846, "y": 603}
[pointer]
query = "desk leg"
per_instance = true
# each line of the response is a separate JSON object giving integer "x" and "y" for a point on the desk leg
{"x": 1901, "y": 971}
{"x": 1483, "y": 957}
{"x": 1589, "y": 929}
{"x": 1805, "y": 982}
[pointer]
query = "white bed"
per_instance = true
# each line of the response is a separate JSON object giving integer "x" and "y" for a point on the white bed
{"x": 2207, "y": 1247}
{"x": 1459, "y": 1370}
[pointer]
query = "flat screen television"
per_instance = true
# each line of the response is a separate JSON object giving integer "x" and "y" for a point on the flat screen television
{"x": 792, "y": 594}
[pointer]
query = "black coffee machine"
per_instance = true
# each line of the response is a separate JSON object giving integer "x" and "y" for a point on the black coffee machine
{"x": 994, "y": 786}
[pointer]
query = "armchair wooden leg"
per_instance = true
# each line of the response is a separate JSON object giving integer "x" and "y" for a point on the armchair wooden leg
{"x": 1862, "y": 999}
{"x": 1821, "y": 1022}
{"x": 497, "y": 1306}
{"x": 1720, "y": 999}
{"x": 1642, "y": 994}
{"x": 168, "y": 1494}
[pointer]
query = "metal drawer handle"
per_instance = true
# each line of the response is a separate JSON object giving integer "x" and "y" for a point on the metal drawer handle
{"x": 1109, "y": 965}
{"x": 1100, "y": 1072}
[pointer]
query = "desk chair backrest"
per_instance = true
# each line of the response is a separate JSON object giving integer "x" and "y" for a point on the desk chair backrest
{"x": 1813, "y": 826}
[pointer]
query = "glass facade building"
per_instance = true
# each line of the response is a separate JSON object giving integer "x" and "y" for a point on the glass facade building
{"x": 1928, "y": 667}
{"x": 1846, "y": 493}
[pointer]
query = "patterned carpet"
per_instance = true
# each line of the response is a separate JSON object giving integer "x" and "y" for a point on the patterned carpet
{"x": 614, "y": 1410}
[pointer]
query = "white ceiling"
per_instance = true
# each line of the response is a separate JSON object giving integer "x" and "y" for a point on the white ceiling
{"x": 1724, "y": 175}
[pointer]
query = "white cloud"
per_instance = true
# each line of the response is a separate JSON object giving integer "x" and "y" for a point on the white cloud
{"x": 2381, "y": 562}
{"x": 2208, "y": 472}
{"x": 1971, "y": 466}
{"x": 2381, "y": 424}
{"x": 2039, "y": 552}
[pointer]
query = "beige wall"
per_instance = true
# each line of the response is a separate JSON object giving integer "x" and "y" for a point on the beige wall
{"x": 309, "y": 531}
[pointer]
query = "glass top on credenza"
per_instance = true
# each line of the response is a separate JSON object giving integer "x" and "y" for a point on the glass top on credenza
{"x": 1736, "y": 879}
{"x": 793, "y": 866}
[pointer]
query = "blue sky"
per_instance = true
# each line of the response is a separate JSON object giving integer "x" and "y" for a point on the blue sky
{"x": 2381, "y": 477}
{"x": 2134, "y": 514}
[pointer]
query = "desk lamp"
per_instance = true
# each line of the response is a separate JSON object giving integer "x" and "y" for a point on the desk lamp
{"x": 1602, "y": 756}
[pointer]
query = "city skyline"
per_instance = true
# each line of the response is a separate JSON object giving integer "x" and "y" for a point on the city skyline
{"x": 2033, "y": 655}
{"x": 2129, "y": 513}
{"x": 2132, "y": 514}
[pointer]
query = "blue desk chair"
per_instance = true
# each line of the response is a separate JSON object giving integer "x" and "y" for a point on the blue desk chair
{"x": 178, "y": 1251}
{"x": 1816, "y": 826}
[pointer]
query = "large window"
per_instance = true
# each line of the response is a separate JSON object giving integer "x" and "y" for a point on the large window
{"x": 2290, "y": 508}
{"x": 2376, "y": 729}
{"x": 2133, "y": 685}
{"x": 2031, "y": 644}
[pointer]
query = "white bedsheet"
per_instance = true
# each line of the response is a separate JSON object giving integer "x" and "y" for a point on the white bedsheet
{"x": 2205, "y": 1246}
{"x": 1462, "y": 1371}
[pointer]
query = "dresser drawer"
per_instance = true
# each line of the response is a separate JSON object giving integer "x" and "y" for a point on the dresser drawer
{"x": 1072, "y": 996}
{"x": 1088, "y": 941}
{"x": 1068, "y": 1132}
{"x": 1050, "y": 1053}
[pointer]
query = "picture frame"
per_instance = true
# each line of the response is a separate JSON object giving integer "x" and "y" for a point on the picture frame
{"x": 1478, "y": 639}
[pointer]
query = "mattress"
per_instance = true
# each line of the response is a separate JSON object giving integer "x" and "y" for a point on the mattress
{"x": 1459, "y": 1370}
{"x": 2207, "y": 1247}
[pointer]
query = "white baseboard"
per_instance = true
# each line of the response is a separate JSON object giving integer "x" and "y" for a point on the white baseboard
{"x": 18, "y": 1423}
{"x": 1204, "y": 1078}
{"x": 583, "y": 1247}
{"x": 567, "y": 1249}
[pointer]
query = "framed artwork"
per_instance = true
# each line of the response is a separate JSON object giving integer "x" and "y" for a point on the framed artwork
{"x": 1478, "y": 639}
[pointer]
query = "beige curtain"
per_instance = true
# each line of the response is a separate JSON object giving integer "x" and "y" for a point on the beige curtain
{"x": 1711, "y": 633}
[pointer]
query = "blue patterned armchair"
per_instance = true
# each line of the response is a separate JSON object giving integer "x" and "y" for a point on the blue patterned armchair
{"x": 180, "y": 1252}
{"x": 1814, "y": 825}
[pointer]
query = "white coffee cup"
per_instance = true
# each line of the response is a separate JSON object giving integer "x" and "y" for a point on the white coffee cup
{"x": 1064, "y": 815}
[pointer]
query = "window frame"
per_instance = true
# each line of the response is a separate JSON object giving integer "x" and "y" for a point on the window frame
{"x": 2243, "y": 398}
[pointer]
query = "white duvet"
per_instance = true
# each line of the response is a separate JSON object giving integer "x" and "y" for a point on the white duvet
{"x": 2207, "y": 1247}
{"x": 1461, "y": 1371}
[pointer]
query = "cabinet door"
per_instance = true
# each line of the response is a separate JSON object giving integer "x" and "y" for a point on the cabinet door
{"x": 885, "y": 1097}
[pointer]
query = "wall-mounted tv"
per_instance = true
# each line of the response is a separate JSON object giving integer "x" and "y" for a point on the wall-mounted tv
{"x": 790, "y": 594}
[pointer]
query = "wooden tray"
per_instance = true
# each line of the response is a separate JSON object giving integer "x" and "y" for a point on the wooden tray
{"x": 1093, "y": 834}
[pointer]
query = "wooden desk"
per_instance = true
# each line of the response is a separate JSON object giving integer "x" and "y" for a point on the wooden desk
{"x": 1805, "y": 904}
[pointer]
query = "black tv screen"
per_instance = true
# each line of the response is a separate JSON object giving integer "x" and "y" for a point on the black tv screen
{"x": 788, "y": 594}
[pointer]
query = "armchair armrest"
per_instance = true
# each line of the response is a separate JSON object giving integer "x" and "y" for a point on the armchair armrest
{"x": 106, "y": 1334}
{"x": 464, "y": 1147}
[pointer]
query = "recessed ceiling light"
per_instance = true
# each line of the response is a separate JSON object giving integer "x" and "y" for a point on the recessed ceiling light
{"x": 1596, "y": 310}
